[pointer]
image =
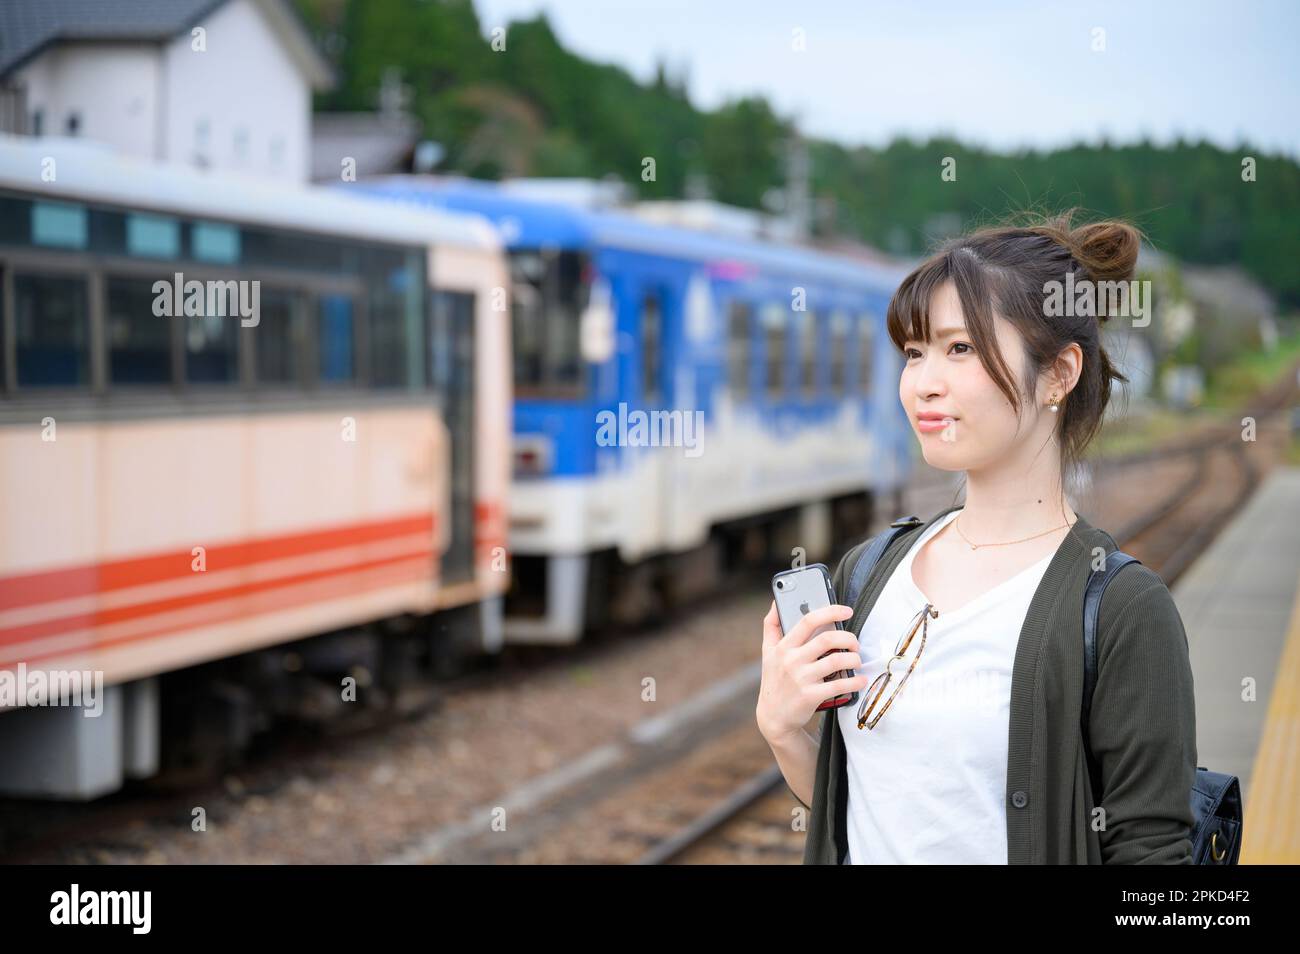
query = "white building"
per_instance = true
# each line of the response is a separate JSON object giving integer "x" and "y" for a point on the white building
{"x": 214, "y": 83}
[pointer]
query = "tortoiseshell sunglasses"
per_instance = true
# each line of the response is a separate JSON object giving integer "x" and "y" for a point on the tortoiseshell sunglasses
{"x": 922, "y": 622}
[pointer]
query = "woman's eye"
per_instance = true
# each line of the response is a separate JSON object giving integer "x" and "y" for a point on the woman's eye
{"x": 909, "y": 352}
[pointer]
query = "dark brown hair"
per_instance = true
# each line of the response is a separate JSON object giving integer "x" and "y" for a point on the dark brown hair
{"x": 1006, "y": 268}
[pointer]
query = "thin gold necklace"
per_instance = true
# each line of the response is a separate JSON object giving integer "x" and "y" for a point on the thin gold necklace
{"x": 975, "y": 546}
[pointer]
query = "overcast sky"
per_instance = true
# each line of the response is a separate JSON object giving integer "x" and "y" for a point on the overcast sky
{"x": 1002, "y": 74}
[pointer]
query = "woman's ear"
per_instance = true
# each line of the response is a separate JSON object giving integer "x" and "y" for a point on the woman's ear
{"x": 1066, "y": 370}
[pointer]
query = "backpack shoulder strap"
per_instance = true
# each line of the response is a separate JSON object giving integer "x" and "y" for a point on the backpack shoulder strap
{"x": 1116, "y": 560}
{"x": 870, "y": 554}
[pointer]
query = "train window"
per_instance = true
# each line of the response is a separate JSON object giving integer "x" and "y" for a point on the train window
{"x": 443, "y": 305}
{"x": 336, "y": 335}
{"x": 387, "y": 344}
{"x": 276, "y": 249}
{"x": 139, "y": 342}
{"x": 211, "y": 349}
{"x": 215, "y": 242}
{"x": 107, "y": 231}
{"x": 838, "y": 351}
{"x": 651, "y": 343}
{"x": 51, "y": 330}
{"x": 415, "y": 295}
{"x": 59, "y": 224}
{"x": 549, "y": 290}
{"x": 570, "y": 294}
{"x": 866, "y": 349}
{"x": 395, "y": 321}
{"x": 738, "y": 348}
{"x": 280, "y": 338}
{"x": 527, "y": 338}
{"x": 774, "y": 332}
{"x": 808, "y": 351}
{"x": 15, "y": 221}
{"x": 4, "y": 352}
{"x": 153, "y": 236}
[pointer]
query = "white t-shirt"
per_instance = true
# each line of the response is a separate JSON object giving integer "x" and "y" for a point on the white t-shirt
{"x": 928, "y": 784}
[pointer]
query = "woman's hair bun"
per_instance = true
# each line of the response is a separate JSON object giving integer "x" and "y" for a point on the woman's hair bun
{"x": 1107, "y": 250}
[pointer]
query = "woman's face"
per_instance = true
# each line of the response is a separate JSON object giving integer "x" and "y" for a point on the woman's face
{"x": 960, "y": 416}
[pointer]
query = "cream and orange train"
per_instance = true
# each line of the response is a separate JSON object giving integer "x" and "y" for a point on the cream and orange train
{"x": 233, "y": 415}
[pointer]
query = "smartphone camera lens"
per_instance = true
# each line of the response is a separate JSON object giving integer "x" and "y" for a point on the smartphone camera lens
{"x": 780, "y": 584}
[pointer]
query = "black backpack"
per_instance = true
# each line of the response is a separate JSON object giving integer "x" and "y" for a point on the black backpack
{"x": 1216, "y": 797}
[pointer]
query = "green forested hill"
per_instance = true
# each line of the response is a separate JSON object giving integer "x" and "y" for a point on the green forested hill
{"x": 537, "y": 109}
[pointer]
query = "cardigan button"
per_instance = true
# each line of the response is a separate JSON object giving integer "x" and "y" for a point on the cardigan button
{"x": 1019, "y": 799}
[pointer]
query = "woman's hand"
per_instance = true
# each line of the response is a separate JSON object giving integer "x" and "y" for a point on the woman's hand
{"x": 793, "y": 671}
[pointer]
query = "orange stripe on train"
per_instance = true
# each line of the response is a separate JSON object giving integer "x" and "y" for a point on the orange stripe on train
{"x": 248, "y": 608}
{"x": 99, "y": 618}
{"x": 88, "y": 579}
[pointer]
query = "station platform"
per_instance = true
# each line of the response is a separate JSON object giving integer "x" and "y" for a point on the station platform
{"x": 1240, "y": 605}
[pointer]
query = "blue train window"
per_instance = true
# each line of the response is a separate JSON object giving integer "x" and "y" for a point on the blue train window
{"x": 866, "y": 341}
{"x": 550, "y": 288}
{"x": 808, "y": 351}
{"x": 838, "y": 348}
{"x": 651, "y": 335}
{"x": 739, "y": 348}
{"x": 773, "y": 318}
{"x": 336, "y": 338}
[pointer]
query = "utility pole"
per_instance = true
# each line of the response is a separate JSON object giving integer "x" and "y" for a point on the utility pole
{"x": 798, "y": 185}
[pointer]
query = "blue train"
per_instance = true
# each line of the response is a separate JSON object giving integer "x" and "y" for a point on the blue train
{"x": 683, "y": 401}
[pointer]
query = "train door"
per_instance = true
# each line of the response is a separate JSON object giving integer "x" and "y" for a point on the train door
{"x": 452, "y": 355}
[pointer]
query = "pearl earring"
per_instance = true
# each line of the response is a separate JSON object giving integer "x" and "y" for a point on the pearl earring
{"x": 1053, "y": 406}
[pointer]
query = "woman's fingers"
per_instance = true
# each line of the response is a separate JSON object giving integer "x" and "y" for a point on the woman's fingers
{"x": 814, "y": 621}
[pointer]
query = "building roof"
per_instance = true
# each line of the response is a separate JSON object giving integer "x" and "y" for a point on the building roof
{"x": 379, "y": 143}
{"x": 27, "y": 27}
{"x": 1228, "y": 288}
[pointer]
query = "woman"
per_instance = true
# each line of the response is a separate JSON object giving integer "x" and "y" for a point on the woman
{"x": 970, "y": 749}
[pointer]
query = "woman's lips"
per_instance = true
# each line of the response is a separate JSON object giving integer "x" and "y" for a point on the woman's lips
{"x": 926, "y": 425}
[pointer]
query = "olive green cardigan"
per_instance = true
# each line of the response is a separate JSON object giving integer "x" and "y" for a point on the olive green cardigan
{"x": 1143, "y": 722}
